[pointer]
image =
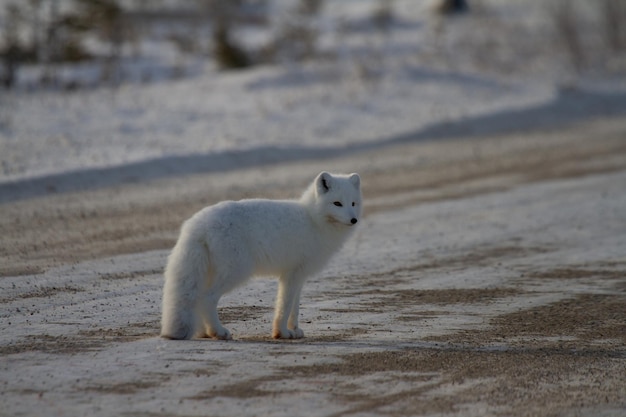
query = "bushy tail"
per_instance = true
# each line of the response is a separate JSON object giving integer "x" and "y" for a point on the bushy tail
{"x": 185, "y": 275}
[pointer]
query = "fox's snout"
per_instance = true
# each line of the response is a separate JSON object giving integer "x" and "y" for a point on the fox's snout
{"x": 353, "y": 221}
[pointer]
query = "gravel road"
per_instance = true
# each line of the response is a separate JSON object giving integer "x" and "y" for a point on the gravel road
{"x": 487, "y": 278}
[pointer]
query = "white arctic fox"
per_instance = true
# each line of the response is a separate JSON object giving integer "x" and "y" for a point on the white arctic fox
{"x": 222, "y": 246}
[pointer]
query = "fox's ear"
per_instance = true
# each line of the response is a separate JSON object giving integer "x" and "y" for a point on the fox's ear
{"x": 355, "y": 180}
{"x": 323, "y": 182}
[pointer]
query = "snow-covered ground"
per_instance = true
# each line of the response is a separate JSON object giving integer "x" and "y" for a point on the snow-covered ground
{"x": 51, "y": 133}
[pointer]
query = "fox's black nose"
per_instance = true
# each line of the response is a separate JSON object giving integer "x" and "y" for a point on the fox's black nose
{"x": 353, "y": 221}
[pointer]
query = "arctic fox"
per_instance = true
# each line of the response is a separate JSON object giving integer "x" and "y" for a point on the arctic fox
{"x": 223, "y": 245}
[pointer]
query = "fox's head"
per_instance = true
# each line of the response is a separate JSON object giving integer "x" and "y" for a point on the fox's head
{"x": 337, "y": 198}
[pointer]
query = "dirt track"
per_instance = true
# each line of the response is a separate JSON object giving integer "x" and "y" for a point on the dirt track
{"x": 516, "y": 309}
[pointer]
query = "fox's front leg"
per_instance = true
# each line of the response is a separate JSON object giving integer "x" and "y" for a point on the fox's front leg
{"x": 292, "y": 322}
{"x": 287, "y": 308}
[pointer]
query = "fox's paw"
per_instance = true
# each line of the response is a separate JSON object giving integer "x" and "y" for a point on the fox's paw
{"x": 296, "y": 333}
{"x": 222, "y": 334}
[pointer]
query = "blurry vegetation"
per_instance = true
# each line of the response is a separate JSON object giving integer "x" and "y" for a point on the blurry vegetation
{"x": 295, "y": 37}
{"x": 613, "y": 14}
{"x": 226, "y": 51}
{"x": 36, "y": 31}
{"x": 566, "y": 25}
{"x": 583, "y": 34}
{"x": 574, "y": 37}
{"x": 446, "y": 7}
{"x": 383, "y": 15}
{"x": 12, "y": 51}
{"x": 104, "y": 19}
{"x": 573, "y": 28}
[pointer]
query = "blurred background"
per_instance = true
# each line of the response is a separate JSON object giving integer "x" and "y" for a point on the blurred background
{"x": 103, "y": 83}
{"x": 74, "y": 44}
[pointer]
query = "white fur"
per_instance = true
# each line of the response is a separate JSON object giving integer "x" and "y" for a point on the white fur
{"x": 222, "y": 246}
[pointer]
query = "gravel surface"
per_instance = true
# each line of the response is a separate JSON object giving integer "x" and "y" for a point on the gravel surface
{"x": 486, "y": 279}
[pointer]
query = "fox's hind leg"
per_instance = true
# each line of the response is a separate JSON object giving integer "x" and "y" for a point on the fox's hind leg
{"x": 292, "y": 322}
{"x": 213, "y": 326}
{"x": 224, "y": 280}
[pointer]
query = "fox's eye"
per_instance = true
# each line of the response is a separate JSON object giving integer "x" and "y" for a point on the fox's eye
{"x": 353, "y": 204}
{"x": 338, "y": 204}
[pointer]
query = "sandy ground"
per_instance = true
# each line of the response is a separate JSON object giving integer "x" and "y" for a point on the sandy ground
{"x": 487, "y": 278}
